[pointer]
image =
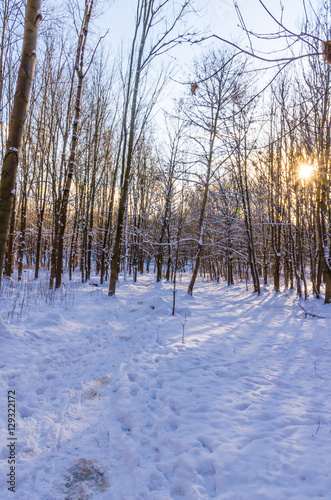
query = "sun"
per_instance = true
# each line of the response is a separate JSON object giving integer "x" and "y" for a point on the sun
{"x": 306, "y": 171}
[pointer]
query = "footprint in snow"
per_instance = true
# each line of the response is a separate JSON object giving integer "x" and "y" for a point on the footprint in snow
{"x": 126, "y": 429}
{"x": 149, "y": 430}
{"x": 206, "y": 470}
{"x": 26, "y": 412}
{"x": 174, "y": 410}
{"x": 134, "y": 391}
{"x": 149, "y": 451}
{"x": 172, "y": 425}
{"x": 205, "y": 443}
{"x": 241, "y": 406}
{"x": 153, "y": 395}
{"x": 125, "y": 338}
{"x": 156, "y": 481}
{"x": 152, "y": 407}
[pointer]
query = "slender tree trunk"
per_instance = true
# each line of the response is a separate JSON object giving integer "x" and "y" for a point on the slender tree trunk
{"x": 40, "y": 225}
{"x": 176, "y": 265}
{"x": 79, "y": 67}
{"x": 125, "y": 180}
{"x": 159, "y": 255}
{"x": 108, "y": 229}
{"x": 21, "y": 244}
{"x": 73, "y": 247}
{"x": 204, "y": 200}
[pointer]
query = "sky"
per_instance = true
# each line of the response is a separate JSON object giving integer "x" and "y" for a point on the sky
{"x": 219, "y": 17}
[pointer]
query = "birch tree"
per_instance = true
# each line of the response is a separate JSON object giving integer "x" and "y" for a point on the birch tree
{"x": 79, "y": 68}
{"x": 17, "y": 120}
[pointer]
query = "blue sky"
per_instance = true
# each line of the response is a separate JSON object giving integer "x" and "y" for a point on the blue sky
{"x": 218, "y": 16}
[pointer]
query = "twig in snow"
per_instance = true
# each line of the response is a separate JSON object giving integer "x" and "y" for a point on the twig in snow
{"x": 183, "y": 325}
{"x": 318, "y": 421}
{"x": 311, "y": 314}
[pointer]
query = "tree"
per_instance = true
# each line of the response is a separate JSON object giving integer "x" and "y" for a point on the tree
{"x": 17, "y": 120}
{"x": 208, "y": 114}
{"x": 314, "y": 40}
{"x": 170, "y": 176}
{"x": 79, "y": 68}
{"x": 149, "y": 13}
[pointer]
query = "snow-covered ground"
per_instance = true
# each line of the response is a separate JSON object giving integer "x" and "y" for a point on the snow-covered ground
{"x": 111, "y": 405}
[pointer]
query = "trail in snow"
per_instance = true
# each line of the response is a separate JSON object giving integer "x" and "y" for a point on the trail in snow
{"x": 111, "y": 405}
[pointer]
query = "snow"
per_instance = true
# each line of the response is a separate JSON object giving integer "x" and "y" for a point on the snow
{"x": 111, "y": 405}
{"x": 4, "y": 330}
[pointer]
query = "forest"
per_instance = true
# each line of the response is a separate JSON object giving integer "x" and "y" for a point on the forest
{"x": 234, "y": 185}
{"x": 165, "y": 250}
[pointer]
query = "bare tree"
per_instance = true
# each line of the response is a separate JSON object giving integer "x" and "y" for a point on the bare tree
{"x": 16, "y": 124}
{"x": 149, "y": 13}
{"x": 208, "y": 113}
{"x": 79, "y": 68}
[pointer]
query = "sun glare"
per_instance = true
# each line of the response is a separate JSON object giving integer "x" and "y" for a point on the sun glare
{"x": 306, "y": 171}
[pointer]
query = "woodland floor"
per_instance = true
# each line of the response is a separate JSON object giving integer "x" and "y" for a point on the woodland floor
{"x": 111, "y": 405}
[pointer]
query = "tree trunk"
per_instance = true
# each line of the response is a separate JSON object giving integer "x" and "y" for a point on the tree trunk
{"x": 17, "y": 120}
{"x": 21, "y": 244}
{"x": 9, "y": 255}
{"x": 79, "y": 67}
{"x": 114, "y": 268}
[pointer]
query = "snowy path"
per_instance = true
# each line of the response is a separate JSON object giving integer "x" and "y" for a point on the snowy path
{"x": 111, "y": 405}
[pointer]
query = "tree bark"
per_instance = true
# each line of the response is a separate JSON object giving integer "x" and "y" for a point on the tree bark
{"x": 62, "y": 222}
{"x": 17, "y": 120}
{"x": 125, "y": 180}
